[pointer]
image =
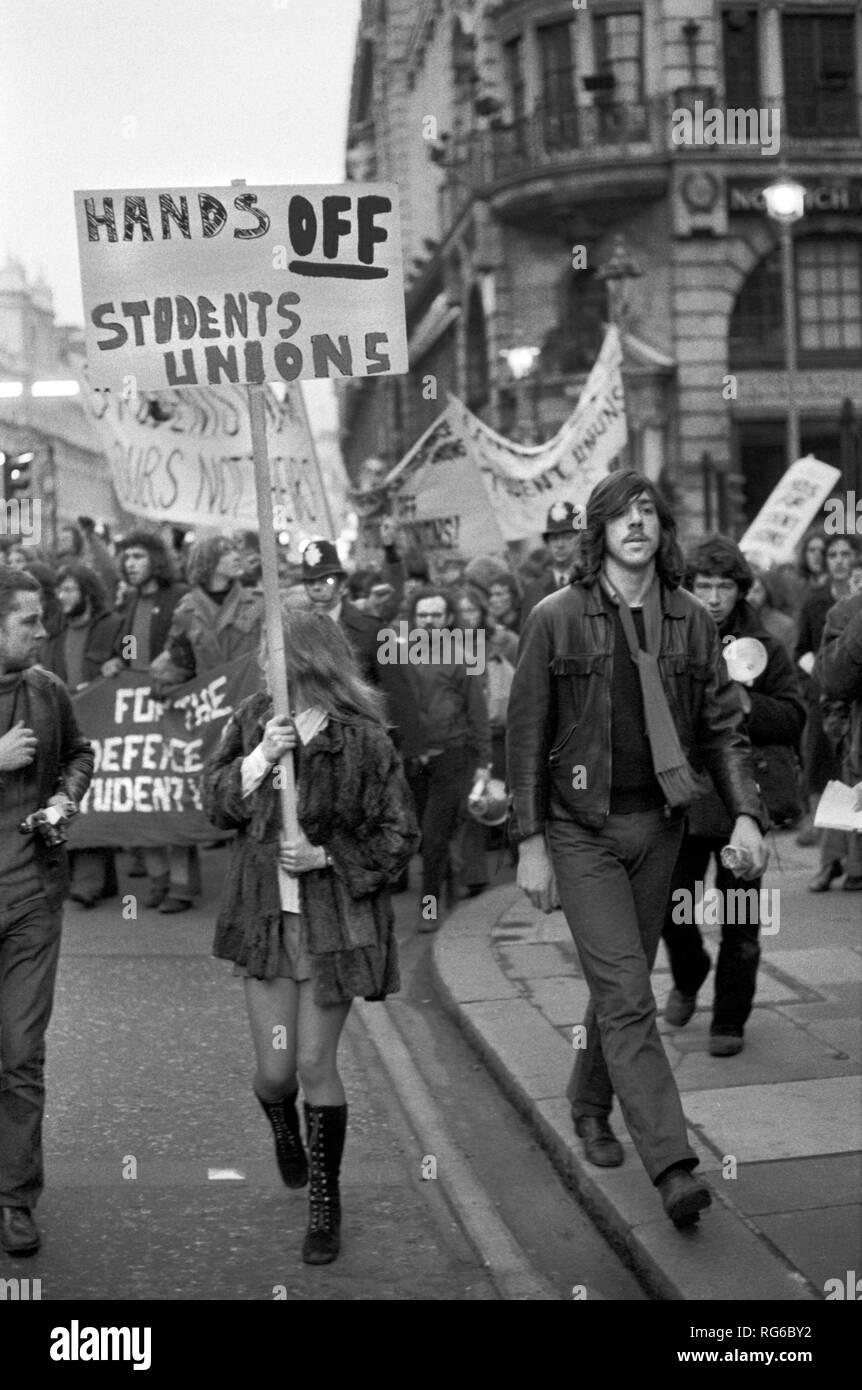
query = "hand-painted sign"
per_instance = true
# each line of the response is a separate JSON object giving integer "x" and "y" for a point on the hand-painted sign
{"x": 782, "y": 521}
{"x": 184, "y": 456}
{"x": 199, "y": 287}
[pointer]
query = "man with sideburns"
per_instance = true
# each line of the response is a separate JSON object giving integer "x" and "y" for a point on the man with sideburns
{"x": 619, "y": 700}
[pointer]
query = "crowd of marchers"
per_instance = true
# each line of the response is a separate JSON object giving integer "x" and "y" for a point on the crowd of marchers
{"x": 609, "y": 747}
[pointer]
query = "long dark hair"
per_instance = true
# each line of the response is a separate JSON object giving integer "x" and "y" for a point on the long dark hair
{"x": 162, "y": 565}
{"x": 88, "y": 582}
{"x": 320, "y": 658}
{"x": 608, "y": 499}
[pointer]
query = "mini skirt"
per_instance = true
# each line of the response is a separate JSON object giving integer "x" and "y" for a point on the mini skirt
{"x": 293, "y": 958}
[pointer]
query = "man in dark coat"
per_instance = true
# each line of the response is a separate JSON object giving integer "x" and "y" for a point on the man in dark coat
{"x": 719, "y": 575}
{"x": 325, "y": 578}
{"x": 77, "y": 654}
{"x": 562, "y": 538}
{"x": 146, "y": 615}
{"x": 839, "y": 672}
{"x": 619, "y": 700}
{"x": 153, "y": 595}
{"x": 45, "y": 764}
{"x": 86, "y": 639}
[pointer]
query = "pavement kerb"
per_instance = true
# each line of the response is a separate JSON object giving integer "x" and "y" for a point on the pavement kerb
{"x": 725, "y": 1258}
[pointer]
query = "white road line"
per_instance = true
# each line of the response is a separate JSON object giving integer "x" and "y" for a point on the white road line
{"x": 494, "y": 1243}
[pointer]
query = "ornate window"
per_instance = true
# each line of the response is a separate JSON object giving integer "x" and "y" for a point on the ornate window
{"x": 618, "y": 46}
{"x": 819, "y": 74}
{"x": 559, "y": 106}
{"x": 829, "y": 294}
{"x": 828, "y": 305}
{"x": 740, "y": 43}
{"x": 513, "y": 57}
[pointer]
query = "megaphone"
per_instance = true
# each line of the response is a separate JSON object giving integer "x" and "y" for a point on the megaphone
{"x": 746, "y": 659}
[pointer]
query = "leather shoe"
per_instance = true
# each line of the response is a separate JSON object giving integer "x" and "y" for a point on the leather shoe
{"x": 683, "y": 1196}
{"x": 821, "y": 881}
{"x": 679, "y": 1008}
{"x": 852, "y": 884}
{"x": 18, "y": 1233}
{"x": 171, "y": 904}
{"x": 725, "y": 1044}
{"x": 601, "y": 1145}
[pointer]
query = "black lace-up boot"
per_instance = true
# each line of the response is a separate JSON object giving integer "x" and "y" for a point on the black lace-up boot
{"x": 292, "y": 1163}
{"x": 326, "y": 1127}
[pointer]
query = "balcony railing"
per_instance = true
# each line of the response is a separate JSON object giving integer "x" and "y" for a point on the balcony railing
{"x": 549, "y": 138}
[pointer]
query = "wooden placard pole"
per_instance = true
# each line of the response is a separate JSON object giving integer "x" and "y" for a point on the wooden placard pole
{"x": 271, "y": 599}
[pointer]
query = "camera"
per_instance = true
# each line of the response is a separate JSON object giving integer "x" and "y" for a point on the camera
{"x": 47, "y": 823}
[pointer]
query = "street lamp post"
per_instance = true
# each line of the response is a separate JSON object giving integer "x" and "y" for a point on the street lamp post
{"x": 785, "y": 204}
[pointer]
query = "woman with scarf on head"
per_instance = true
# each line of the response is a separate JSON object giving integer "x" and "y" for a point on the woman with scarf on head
{"x": 309, "y": 923}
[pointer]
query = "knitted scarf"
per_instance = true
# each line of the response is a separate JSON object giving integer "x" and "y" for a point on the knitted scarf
{"x": 672, "y": 770}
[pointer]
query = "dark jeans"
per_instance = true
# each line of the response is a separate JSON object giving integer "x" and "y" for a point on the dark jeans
{"x": 739, "y": 953}
{"x": 613, "y": 885}
{"x": 29, "y": 950}
{"x": 440, "y": 791}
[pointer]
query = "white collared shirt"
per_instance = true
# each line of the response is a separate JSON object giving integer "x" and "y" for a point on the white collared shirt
{"x": 255, "y": 767}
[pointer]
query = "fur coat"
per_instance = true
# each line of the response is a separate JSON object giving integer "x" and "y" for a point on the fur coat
{"x": 352, "y": 798}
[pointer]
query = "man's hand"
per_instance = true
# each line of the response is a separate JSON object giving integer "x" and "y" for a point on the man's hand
{"x": 17, "y": 748}
{"x": 298, "y": 856}
{"x": 535, "y": 875}
{"x": 748, "y": 840}
{"x": 388, "y": 531}
{"x": 65, "y": 804}
{"x": 113, "y": 666}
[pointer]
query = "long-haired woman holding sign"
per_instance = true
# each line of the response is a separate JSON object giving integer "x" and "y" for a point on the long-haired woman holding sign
{"x": 309, "y": 923}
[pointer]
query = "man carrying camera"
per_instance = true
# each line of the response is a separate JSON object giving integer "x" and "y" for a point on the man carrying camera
{"x": 45, "y": 769}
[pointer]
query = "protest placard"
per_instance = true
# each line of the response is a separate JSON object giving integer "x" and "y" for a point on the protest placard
{"x": 149, "y": 755}
{"x": 202, "y": 287}
{"x": 775, "y": 533}
{"x": 438, "y": 499}
{"x": 185, "y": 456}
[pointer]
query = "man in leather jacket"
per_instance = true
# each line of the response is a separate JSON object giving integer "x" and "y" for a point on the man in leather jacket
{"x": 619, "y": 700}
{"x": 44, "y": 763}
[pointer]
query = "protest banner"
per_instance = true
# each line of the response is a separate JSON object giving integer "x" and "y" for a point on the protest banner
{"x": 464, "y": 487}
{"x": 438, "y": 499}
{"x": 207, "y": 286}
{"x": 185, "y": 456}
{"x": 775, "y": 533}
{"x": 149, "y": 755}
{"x": 522, "y": 481}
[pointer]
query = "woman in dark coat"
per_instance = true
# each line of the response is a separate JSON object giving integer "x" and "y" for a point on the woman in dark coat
{"x": 309, "y": 923}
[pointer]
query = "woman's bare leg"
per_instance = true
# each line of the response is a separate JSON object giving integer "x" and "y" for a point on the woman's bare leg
{"x": 272, "y": 1015}
{"x": 318, "y": 1033}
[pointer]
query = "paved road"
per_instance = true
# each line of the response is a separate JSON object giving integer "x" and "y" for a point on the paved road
{"x": 161, "y": 1182}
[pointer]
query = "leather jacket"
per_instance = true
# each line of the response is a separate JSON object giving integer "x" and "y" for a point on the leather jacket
{"x": 559, "y": 716}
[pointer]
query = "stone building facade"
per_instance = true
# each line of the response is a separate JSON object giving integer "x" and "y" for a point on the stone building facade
{"x": 562, "y": 165}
